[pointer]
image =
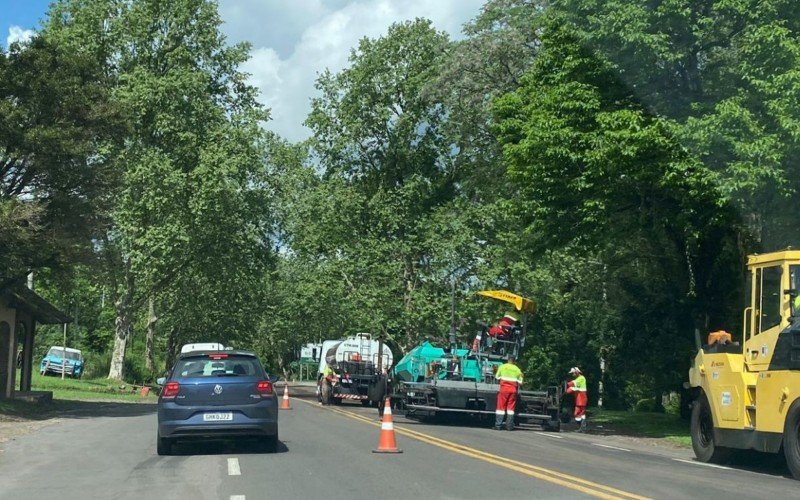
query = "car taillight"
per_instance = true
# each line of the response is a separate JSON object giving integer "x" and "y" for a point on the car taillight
{"x": 264, "y": 388}
{"x": 171, "y": 390}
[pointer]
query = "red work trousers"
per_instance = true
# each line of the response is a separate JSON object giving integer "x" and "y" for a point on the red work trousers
{"x": 580, "y": 413}
{"x": 506, "y": 399}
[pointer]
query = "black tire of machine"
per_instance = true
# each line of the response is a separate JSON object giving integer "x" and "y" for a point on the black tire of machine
{"x": 791, "y": 439}
{"x": 702, "y": 431}
{"x": 553, "y": 425}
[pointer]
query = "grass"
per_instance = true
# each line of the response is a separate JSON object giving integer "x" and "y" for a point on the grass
{"x": 644, "y": 424}
{"x": 87, "y": 390}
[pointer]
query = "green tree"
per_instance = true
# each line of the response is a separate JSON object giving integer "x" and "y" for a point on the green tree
{"x": 54, "y": 173}
{"x": 189, "y": 217}
{"x": 599, "y": 174}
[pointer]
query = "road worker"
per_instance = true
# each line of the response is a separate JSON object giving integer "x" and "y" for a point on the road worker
{"x": 796, "y": 312}
{"x": 577, "y": 386}
{"x": 503, "y": 327}
{"x": 510, "y": 377}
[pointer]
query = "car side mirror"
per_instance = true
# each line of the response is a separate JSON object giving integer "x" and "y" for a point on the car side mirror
{"x": 273, "y": 378}
{"x": 161, "y": 380}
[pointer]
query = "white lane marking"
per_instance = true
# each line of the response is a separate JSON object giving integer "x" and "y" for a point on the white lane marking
{"x": 233, "y": 468}
{"x": 610, "y": 447}
{"x": 715, "y": 466}
{"x": 237, "y": 497}
{"x": 548, "y": 435}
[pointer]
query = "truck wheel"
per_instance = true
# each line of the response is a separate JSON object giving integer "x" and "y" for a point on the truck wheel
{"x": 326, "y": 394}
{"x": 702, "y": 430}
{"x": 791, "y": 439}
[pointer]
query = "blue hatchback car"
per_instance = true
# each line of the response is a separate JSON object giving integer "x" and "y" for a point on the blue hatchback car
{"x": 214, "y": 395}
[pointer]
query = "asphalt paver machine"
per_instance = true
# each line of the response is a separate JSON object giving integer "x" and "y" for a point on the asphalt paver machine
{"x": 434, "y": 381}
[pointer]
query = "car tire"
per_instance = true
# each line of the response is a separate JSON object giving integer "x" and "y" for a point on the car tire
{"x": 702, "y": 431}
{"x": 269, "y": 443}
{"x": 791, "y": 439}
{"x": 163, "y": 446}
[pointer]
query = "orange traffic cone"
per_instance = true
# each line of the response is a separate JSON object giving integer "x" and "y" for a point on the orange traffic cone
{"x": 387, "y": 443}
{"x": 285, "y": 402}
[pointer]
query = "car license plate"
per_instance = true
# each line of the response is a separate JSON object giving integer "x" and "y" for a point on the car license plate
{"x": 226, "y": 416}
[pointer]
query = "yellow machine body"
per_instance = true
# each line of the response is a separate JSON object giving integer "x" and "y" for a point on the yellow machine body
{"x": 751, "y": 385}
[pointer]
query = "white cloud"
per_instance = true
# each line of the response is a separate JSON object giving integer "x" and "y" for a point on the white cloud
{"x": 294, "y": 41}
{"x": 17, "y": 34}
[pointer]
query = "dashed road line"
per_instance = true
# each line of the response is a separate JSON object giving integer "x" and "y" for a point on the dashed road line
{"x": 233, "y": 467}
{"x": 610, "y": 447}
{"x": 548, "y": 435}
{"x": 237, "y": 497}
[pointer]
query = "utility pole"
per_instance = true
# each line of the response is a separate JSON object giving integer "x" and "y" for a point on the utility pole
{"x": 64, "y": 355}
{"x": 453, "y": 317}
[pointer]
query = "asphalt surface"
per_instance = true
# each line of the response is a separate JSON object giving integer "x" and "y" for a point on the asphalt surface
{"x": 108, "y": 451}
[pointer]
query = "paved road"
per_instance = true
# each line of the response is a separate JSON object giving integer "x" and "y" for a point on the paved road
{"x": 108, "y": 451}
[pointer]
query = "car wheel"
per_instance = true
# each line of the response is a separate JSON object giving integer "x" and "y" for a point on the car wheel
{"x": 163, "y": 446}
{"x": 791, "y": 439}
{"x": 270, "y": 443}
{"x": 702, "y": 430}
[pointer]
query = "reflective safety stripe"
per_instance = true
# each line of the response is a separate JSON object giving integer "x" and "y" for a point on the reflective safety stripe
{"x": 508, "y": 379}
{"x": 499, "y": 412}
{"x": 510, "y": 412}
{"x": 578, "y": 419}
{"x": 579, "y": 389}
{"x": 387, "y": 426}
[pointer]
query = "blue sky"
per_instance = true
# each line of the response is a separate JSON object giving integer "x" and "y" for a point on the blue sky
{"x": 293, "y": 40}
{"x": 24, "y": 14}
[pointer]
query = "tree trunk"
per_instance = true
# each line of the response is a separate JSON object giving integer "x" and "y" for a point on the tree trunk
{"x": 409, "y": 281}
{"x": 122, "y": 327}
{"x": 151, "y": 333}
{"x": 172, "y": 347}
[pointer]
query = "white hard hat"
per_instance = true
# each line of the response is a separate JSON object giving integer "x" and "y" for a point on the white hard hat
{"x": 575, "y": 369}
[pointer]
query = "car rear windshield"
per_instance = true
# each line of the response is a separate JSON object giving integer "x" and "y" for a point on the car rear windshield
{"x": 211, "y": 366}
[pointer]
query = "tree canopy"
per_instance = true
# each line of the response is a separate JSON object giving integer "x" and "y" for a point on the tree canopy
{"x": 615, "y": 161}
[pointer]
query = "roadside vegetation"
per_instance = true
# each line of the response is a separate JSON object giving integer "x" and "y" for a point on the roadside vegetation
{"x": 642, "y": 424}
{"x": 614, "y": 161}
{"x": 90, "y": 389}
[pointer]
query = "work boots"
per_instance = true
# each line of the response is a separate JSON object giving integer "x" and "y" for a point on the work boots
{"x": 582, "y": 427}
{"x": 498, "y": 423}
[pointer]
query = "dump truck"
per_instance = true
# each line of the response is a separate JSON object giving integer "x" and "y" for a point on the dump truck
{"x": 432, "y": 381}
{"x": 747, "y": 394}
{"x": 359, "y": 366}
